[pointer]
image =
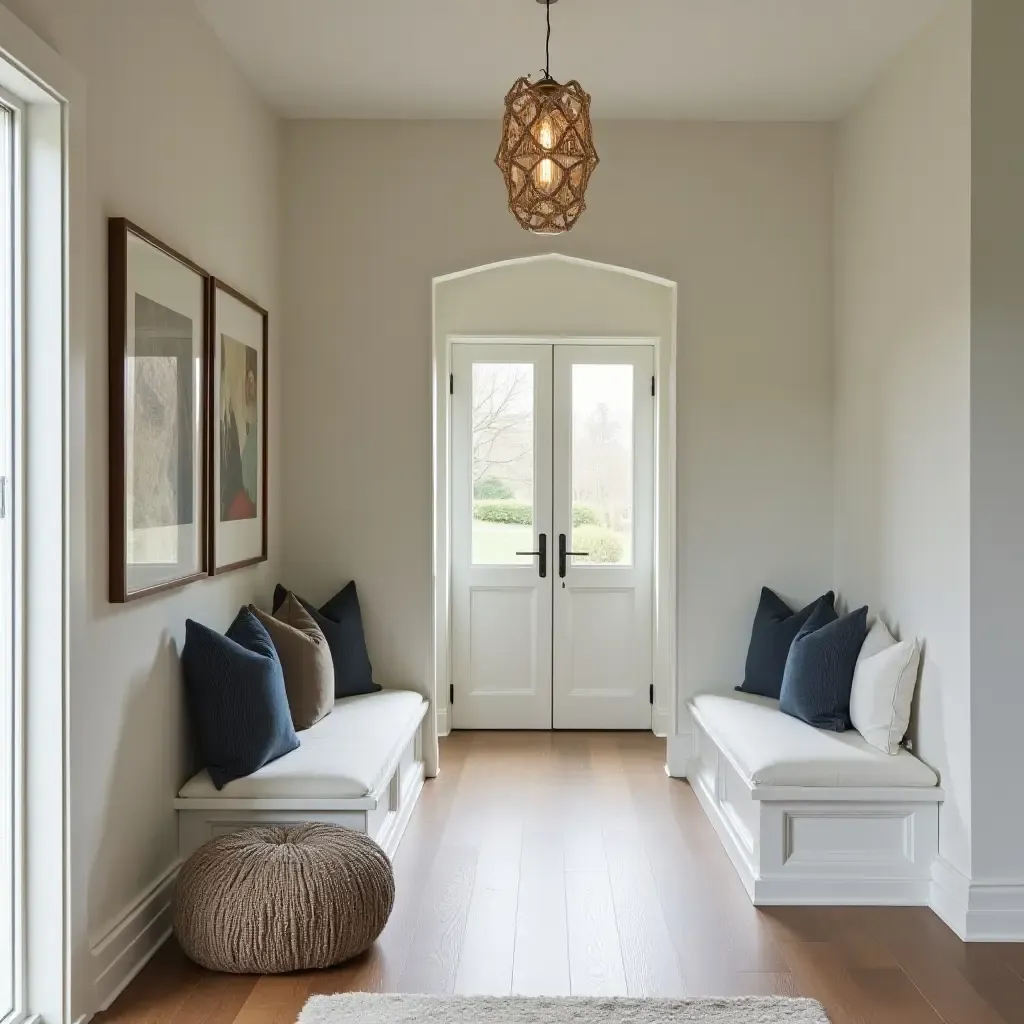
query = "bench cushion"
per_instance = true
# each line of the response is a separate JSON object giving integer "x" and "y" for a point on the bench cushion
{"x": 769, "y": 748}
{"x": 347, "y": 755}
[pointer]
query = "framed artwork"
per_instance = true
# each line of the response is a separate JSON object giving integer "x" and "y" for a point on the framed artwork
{"x": 158, "y": 323}
{"x": 239, "y": 332}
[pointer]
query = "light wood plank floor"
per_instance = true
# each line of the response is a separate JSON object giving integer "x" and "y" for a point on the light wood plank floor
{"x": 568, "y": 863}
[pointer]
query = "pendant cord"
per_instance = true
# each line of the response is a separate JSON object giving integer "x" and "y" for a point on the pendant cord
{"x": 547, "y": 42}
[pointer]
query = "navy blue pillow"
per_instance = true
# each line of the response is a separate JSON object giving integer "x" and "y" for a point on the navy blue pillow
{"x": 819, "y": 671}
{"x": 236, "y": 697}
{"x": 822, "y": 614}
{"x": 341, "y": 622}
{"x": 775, "y": 628}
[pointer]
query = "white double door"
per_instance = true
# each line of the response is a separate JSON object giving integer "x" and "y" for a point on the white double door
{"x": 552, "y": 473}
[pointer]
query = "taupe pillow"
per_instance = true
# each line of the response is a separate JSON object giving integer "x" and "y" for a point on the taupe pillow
{"x": 306, "y": 660}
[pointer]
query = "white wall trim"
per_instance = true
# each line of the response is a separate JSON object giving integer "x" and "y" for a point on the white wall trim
{"x": 680, "y": 751}
{"x": 442, "y": 721}
{"x": 995, "y": 911}
{"x": 557, "y": 257}
{"x": 666, "y": 518}
{"x": 989, "y": 911}
{"x": 126, "y": 944}
{"x": 950, "y": 892}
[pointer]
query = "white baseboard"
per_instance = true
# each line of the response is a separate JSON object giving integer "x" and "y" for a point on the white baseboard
{"x": 127, "y": 943}
{"x": 680, "y": 751}
{"x": 442, "y": 722}
{"x": 983, "y": 911}
{"x": 950, "y": 895}
{"x": 995, "y": 911}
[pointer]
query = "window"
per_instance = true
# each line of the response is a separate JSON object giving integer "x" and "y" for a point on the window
{"x": 42, "y": 191}
{"x": 503, "y": 463}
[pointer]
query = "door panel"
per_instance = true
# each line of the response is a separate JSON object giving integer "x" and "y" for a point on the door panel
{"x": 501, "y": 510}
{"x": 552, "y": 452}
{"x": 603, "y": 507}
{"x": 503, "y": 640}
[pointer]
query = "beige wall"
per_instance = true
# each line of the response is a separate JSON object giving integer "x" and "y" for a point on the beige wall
{"x": 997, "y": 431}
{"x": 903, "y": 363}
{"x": 738, "y": 215}
{"x": 178, "y": 143}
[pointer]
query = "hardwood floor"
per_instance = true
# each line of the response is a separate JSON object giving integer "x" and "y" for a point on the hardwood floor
{"x": 565, "y": 863}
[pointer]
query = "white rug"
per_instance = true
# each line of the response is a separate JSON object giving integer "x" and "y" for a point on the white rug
{"x": 363, "y": 1008}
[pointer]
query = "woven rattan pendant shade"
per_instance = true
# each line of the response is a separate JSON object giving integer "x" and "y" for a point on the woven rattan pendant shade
{"x": 546, "y": 154}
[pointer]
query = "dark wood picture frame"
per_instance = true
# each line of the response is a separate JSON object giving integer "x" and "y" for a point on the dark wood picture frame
{"x": 118, "y": 230}
{"x": 214, "y": 285}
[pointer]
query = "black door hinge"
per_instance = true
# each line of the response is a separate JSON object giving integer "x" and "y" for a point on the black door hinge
{"x": 652, "y": 694}
{"x": 451, "y": 693}
{"x": 652, "y": 387}
{"x": 451, "y": 383}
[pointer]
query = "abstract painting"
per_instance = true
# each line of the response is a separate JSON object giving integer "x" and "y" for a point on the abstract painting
{"x": 162, "y": 400}
{"x": 238, "y": 405}
{"x": 158, "y": 380}
{"x": 239, "y": 430}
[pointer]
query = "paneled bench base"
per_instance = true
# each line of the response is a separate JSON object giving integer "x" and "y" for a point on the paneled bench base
{"x": 819, "y": 846}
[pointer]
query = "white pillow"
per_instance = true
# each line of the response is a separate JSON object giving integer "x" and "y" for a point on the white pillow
{"x": 883, "y": 688}
{"x": 877, "y": 640}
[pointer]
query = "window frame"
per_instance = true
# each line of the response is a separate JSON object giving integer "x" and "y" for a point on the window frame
{"x": 12, "y": 693}
{"x": 52, "y": 973}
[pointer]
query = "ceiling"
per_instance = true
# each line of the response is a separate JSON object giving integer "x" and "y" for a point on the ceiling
{"x": 713, "y": 59}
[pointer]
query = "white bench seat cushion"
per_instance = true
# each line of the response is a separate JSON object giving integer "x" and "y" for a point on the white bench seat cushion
{"x": 769, "y": 748}
{"x": 346, "y": 755}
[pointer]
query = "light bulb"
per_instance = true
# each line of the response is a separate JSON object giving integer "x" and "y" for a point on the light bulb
{"x": 544, "y": 173}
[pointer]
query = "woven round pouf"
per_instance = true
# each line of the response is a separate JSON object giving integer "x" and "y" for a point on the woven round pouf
{"x": 282, "y": 898}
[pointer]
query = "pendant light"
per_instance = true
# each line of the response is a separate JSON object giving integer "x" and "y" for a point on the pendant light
{"x": 547, "y": 150}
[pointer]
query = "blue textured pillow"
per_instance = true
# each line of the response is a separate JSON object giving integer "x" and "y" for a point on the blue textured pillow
{"x": 775, "y": 627}
{"x": 819, "y": 670}
{"x": 236, "y": 697}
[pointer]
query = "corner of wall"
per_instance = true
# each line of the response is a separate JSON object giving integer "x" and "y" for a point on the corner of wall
{"x": 680, "y": 750}
{"x": 977, "y": 911}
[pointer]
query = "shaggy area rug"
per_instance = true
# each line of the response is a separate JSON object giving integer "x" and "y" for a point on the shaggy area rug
{"x": 363, "y": 1008}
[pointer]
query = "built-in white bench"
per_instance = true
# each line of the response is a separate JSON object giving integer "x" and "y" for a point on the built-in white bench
{"x": 361, "y": 766}
{"x": 809, "y": 816}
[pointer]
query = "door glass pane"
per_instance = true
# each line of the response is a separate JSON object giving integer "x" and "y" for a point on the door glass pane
{"x": 502, "y": 463}
{"x": 602, "y": 464}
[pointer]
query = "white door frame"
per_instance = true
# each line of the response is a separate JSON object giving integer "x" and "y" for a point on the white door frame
{"x": 665, "y": 621}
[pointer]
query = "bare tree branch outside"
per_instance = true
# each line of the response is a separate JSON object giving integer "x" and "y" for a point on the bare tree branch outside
{"x": 503, "y": 462}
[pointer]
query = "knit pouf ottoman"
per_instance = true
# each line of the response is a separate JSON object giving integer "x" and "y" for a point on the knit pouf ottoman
{"x": 282, "y": 898}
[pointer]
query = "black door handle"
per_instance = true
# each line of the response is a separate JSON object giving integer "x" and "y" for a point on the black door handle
{"x": 562, "y": 553}
{"x": 542, "y": 544}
